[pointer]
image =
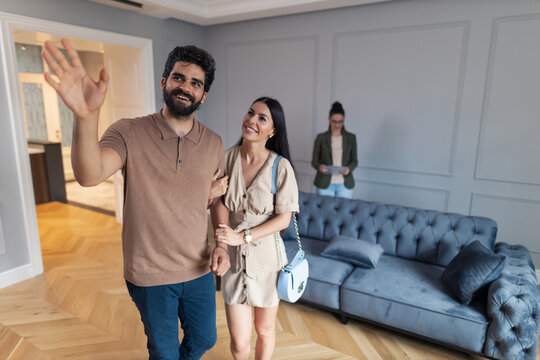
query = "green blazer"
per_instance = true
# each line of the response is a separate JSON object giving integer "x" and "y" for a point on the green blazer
{"x": 322, "y": 154}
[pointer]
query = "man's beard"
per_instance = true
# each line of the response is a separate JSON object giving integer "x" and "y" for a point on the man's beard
{"x": 178, "y": 108}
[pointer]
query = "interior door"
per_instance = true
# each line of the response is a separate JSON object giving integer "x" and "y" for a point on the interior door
{"x": 40, "y": 110}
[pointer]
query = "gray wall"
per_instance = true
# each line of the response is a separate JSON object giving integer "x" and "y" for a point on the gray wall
{"x": 442, "y": 95}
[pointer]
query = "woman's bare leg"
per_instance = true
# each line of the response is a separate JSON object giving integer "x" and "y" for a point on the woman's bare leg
{"x": 265, "y": 326}
{"x": 239, "y": 320}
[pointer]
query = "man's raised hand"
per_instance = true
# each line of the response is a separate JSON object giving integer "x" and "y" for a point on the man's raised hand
{"x": 80, "y": 93}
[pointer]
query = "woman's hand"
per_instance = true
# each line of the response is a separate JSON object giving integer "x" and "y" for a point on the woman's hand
{"x": 225, "y": 235}
{"x": 346, "y": 171}
{"x": 323, "y": 168}
{"x": 219, "y": 186}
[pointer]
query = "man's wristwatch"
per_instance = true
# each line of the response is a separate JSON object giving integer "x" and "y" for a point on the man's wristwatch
{"x": 247, "y": 236}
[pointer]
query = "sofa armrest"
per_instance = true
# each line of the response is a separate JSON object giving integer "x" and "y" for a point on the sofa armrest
{"x": 513, "y": 308}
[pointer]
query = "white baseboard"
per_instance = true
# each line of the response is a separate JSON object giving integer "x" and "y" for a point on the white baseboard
{"x": 16, "y": 275}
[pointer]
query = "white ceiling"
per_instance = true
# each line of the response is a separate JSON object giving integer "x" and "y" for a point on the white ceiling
{"x": 211, "y": 12}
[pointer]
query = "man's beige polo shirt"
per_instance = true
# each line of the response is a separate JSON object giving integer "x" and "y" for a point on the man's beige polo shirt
{"x": 167, "y": 182}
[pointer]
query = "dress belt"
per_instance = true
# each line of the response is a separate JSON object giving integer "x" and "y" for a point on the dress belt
{"x": 246, "y": 221}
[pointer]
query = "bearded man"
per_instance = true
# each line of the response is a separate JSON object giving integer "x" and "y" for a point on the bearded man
{"x": 170, "y": 163}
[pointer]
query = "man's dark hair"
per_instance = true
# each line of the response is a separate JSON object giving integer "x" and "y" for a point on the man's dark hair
{"x": 193, "y": 55}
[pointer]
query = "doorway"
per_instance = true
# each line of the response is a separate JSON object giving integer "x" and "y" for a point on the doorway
{"x": 46, "y": 117}
{"x": 23, "y": 246}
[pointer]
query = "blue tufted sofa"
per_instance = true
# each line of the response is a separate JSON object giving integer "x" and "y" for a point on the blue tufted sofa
{"x": 403, "y": 291}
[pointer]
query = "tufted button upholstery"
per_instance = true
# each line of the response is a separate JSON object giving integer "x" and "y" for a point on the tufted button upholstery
{"x": 428, "y": 236}
{"x": 513, "y": 305}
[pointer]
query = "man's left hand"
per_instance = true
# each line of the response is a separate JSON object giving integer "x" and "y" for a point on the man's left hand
{"x": 220, "y": 261}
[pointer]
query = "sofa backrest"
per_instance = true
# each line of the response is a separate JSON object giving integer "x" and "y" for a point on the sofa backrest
{"x": 425, "y": 235}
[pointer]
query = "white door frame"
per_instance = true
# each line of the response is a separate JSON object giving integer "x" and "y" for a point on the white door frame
{"x": 10, "y": 22}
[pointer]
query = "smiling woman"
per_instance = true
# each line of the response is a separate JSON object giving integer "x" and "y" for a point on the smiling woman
{"x": 246, "y": 222}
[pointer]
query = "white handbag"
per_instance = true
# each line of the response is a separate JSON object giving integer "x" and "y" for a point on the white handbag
{"x": 292, "y": 279}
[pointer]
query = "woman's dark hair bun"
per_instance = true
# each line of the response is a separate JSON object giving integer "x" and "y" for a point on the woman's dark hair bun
{"x": 337, "y": 108}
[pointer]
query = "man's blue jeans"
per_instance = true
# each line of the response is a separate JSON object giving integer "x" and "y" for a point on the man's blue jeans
{"x": 193, "y": 302}
{"x": 336, "y": 190}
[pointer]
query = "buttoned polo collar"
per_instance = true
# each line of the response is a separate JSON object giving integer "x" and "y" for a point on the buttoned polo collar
{"x": 167, "y": 133}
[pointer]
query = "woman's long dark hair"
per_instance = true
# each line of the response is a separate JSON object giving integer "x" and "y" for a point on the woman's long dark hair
{"x": 277, "y": 143}
{"x": 337, "y": 108}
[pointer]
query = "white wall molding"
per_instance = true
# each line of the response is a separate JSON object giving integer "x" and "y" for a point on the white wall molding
{"x": 16, "y": 275}
{"x": 464, "y": 26}
{"x": 9, "y": 23}
{"x": 437, "y": 197}
{"x": 432, "y": 199}
{"x": 516, "y": 218}
{"x": 479, "y": 172}
{"x": 476, "y": 195}
{"x": 22, "y": 163}
{"x": 2, "y": 241}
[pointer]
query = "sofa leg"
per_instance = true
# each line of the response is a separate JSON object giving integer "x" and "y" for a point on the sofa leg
{"x": 344, "y": 319}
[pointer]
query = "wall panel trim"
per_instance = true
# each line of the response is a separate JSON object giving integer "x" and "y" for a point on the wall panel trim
{"x": 487, "y": 93}
{"x": 465, "y": 26}
{"x": 445, "y": 192}
{"x": 228, "y": 46}
{"x": 2, "y": 236}
{"x": 476, "y": 195}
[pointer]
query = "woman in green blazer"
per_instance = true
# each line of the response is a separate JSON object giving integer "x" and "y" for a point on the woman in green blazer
{"x": 335, "y": 148}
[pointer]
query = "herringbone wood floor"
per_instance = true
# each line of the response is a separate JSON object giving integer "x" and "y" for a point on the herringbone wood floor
{"x": 80, "y": 309}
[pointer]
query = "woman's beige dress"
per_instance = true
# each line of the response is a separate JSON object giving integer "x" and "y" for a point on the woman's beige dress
{"x": 252, "y": 278}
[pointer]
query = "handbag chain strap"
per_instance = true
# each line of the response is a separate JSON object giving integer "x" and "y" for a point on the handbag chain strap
{"x": 276, "y": 236}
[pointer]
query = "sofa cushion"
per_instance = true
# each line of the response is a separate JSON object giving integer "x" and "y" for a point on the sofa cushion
{"x": 408, "y": 295}
{"x": 355, "y": 251}
{"x": 472, "y": 269}
{"x": 325, "y": 275}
